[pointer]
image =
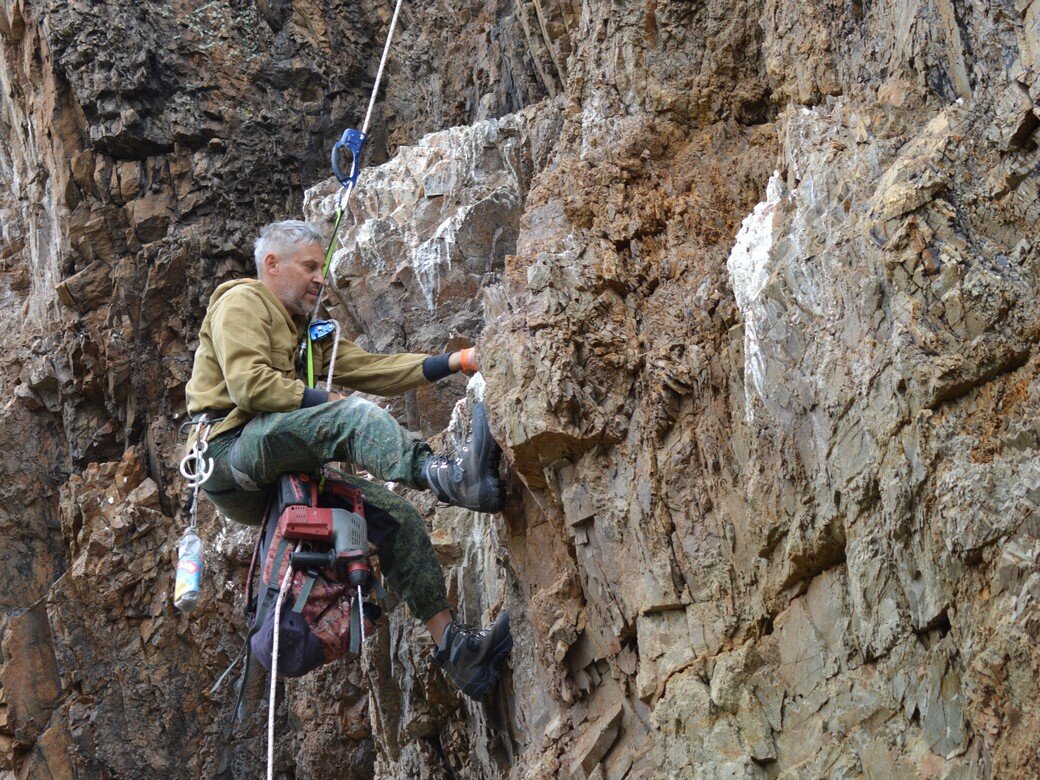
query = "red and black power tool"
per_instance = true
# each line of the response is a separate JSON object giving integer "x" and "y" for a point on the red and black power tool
{"x": 335, "y": 538}
{"x": 332, "y": 541}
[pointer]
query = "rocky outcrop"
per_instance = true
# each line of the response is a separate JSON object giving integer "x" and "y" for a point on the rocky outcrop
{"x": 425, "y": 234}
{"x": 789, "y": 459}
{"x": 753, "y": 286}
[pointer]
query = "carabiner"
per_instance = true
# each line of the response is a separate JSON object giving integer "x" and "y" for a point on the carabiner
{"x": 354, "y": 140}
{"x": 196, "y": 468}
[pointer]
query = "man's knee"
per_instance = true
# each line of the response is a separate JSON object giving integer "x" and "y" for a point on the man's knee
{"x": 348, "y": 405}
{"x": 358, "y": 409}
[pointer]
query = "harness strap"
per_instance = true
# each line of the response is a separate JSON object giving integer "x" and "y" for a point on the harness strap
{"x": 270, "y": 596}
{"x": 305, "y": 593}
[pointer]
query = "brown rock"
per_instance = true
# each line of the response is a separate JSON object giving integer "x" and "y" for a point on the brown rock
{"x": 88, "y": 289}
{"x": 594, "y": 742}
{"x": 754, "y": 292}
{"x": 31, "y": 684}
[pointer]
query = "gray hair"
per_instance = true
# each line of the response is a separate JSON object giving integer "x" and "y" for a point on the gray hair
{"x": 280, "y": 237}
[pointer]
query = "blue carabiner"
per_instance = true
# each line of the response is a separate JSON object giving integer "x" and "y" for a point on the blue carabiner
{"x": 354, "y": 140}
{"x": 319, "y": 329}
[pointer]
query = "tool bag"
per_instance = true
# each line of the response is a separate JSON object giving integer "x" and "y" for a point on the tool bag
{"x": 323, "y": 529}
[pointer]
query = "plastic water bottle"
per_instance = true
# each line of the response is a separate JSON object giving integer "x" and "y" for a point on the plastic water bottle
{"x": 189, "y": 571}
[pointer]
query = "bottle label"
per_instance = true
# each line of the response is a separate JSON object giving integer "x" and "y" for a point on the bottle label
{"x": 189, "y": 572}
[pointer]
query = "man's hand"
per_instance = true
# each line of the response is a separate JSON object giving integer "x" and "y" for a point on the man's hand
{"x": 335, "y": 397}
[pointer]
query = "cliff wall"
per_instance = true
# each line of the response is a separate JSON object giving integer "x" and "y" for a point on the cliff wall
{"x": 753, "y": 286}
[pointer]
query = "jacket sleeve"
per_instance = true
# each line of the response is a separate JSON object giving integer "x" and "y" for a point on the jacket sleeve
{"x": 384, "y": 375}
{"x": 242, "y": 343}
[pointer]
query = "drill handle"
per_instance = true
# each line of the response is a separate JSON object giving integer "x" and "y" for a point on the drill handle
{"x": 313, "y": 560}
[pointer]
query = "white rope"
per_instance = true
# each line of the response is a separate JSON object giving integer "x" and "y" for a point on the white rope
{"x": 382, "y": 64}
{"x": 361, "y": 611}
{"x": 344, "y": 195}
{"x": 332, "y": 363}
{"x": 274, "y": 669}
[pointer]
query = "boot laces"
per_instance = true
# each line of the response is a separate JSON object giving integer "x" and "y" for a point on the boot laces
{"x": 452, "y": 465}
{"x": 471, "y": 633}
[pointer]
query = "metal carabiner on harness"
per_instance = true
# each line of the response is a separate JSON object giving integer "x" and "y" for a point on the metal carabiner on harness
{"x": 354, "y": 140}
{"x": 195, "y": 467}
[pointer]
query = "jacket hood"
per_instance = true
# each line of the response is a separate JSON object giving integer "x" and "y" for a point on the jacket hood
{"x": 299, "y": 325}
{"x": 222, "y": 289}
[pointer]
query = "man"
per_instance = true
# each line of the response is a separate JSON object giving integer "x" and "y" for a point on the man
{"x": 270, "y": 422}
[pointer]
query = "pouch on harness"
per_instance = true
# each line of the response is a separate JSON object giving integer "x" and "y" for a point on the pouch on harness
{"x": 321, "y": 619}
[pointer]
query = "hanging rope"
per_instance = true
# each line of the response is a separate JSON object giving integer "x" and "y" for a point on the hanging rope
{"x": 332, "y": 362}
{"x": 274, "y": 669}
{"x": 354, "y": 142}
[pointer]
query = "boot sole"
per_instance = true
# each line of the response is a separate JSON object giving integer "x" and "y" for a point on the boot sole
{"x": 492, "y": 491}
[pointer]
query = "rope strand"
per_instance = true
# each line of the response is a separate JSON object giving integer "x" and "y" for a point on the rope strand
{"x": 274, "y": 670}
{"x": 335, "y": 349}
{"x": 382, "y": 65}
{"x": 344, "y": 195}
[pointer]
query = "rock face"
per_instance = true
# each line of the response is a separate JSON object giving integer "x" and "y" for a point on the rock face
{"x": 754, "y": 291}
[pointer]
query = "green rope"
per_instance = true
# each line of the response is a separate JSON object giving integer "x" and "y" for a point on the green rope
{"x": 332, "y": 242}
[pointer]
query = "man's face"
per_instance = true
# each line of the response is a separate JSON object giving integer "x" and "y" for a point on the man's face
{"x": 296, "y": 278}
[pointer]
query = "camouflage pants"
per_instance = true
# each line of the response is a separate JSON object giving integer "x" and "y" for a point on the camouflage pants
{"x": 248, "y": 462}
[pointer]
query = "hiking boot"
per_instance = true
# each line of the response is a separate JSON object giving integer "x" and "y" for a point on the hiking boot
{"x": 471, "y": 657}
{"x": 469, "y": 479}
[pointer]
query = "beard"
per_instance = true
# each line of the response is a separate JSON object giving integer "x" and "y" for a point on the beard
{"x": 297, "y": 299}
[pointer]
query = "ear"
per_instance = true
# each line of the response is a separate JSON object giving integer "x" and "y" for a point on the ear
{"x": 270, "y": 264}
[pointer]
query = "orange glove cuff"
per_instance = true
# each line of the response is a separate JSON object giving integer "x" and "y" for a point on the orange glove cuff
{"x": 468, "y": 359}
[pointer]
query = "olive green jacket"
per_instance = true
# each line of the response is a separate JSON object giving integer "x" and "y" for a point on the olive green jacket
{"x": 245, "y": 361}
